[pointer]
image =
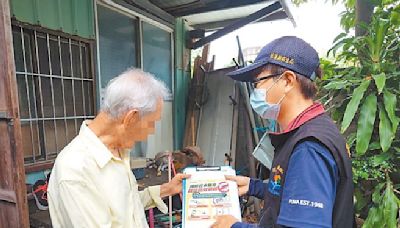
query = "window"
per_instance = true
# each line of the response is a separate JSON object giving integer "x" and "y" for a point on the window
{"x": 128, "y": 39}
{"x": 157, "y": 53}
{"x": 117, "y": 40}
{"x": 55, "y": 83}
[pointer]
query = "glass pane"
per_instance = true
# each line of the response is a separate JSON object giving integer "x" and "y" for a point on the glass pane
{"x": 71, "y": 132}
{"x": 36, "y": 139}
{"x": 79, "y": 123}
{"x": 117, "y": 43}
{"x": 32, "y": 95}
{"x": 76, "y": 64}
{"x": 18, "y": 56}
{"x": 28, "y": 51}
{"x": 43, "y": 54}
{"x": 58, "y": 97}
{"x": 46, "y": 97}
{"x": 55, "y": 56}
{"x": 50, "y": 137}
{"x": 88, "y": 86}
{"x": 78, "y": 98}
{"x": 69, "y": 102}
{"x": 27, "y": 145}
{"x": 65, "y": 57}
{"x": 86, "y": 61}
{"x": 157, "y": 53}
{"x": 22, "y": 97}
{"x": 61, "y": 135}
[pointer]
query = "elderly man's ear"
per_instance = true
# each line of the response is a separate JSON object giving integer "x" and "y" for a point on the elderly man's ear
{"x": 131, "y": 118}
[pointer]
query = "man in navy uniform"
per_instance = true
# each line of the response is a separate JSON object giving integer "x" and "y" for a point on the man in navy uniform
{"x": 310, "y": 184}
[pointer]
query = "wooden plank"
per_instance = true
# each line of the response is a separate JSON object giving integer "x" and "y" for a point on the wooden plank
{"x": 39, "y": 166}
{"x": 8, "y": 196}
{"x": 12, "y": 174}
{"x": 189, "y": 128}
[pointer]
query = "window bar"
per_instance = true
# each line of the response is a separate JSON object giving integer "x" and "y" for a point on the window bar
{"x": 62, "y": 86}
{"x": 36, "y": 113}
{"x": 73, "y": 84}
{"x": 53, "y": 76}
{"x": 58, "y": 118}
{"x": 27, "y": 93}
{"x": 40, "y": 92}
{"x": 83, "y": 90}
{"x": 52, "y": 92}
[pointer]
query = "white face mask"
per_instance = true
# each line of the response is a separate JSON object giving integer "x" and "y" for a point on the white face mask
{"x": 264, "y": 152}
{"x": 258, "y": 101}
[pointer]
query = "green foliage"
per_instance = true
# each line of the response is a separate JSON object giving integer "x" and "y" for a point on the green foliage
{"x": 386, "y": 135}
{"x": 387, "y": 206}
{"x": 352, "y": 107}
{"x": 366, "y": 124}
{"x": 360, "y": 93}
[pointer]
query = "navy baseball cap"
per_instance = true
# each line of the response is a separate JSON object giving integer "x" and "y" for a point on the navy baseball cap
{"x": 289, "y": 52}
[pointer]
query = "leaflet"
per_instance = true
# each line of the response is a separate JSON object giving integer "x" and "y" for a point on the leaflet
{"x": 207, "y": 194}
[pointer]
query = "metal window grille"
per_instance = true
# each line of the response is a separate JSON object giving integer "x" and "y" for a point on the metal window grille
{"x": 55, "y": 82}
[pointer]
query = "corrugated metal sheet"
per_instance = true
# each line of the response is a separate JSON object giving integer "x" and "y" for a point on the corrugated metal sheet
{"x": 75, "y": 17}
{"x": 215, "y": 124}
{"x": 225, "y": 14}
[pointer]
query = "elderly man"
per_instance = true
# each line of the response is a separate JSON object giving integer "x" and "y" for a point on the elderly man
{"x": 92, "y": 184}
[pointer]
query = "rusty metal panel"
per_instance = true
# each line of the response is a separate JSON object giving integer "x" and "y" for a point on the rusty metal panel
{"x": 13, "y": 203}
{"x": 75, "y": 17}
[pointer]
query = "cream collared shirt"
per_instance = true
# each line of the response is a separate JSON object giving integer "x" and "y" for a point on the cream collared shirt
{"x": 89, "y": 187}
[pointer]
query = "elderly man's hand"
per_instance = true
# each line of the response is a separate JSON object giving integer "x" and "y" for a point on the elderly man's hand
{"x": 174, "y": 186}
{"x": 224, "y": 221}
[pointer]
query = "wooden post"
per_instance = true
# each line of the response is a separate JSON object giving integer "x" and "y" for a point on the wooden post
{"x": 13, "y": 202}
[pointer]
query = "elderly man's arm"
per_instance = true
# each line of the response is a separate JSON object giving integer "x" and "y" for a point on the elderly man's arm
{"x": 152, "y": 196}
{"x": 78, "y": 205}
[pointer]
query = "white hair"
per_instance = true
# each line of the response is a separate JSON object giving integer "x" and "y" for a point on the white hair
{"x": 133, "y": 89}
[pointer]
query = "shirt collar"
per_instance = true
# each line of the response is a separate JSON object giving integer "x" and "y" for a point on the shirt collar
{"x": 309, "y": 113}
{"x": 316, "y": 109}
{"x": 101, "y": 153}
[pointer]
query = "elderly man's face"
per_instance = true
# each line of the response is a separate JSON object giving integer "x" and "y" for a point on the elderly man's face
{"x": 139, "y": 129}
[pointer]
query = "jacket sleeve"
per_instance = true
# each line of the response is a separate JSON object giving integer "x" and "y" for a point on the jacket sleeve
{"x": 244, "y": 225}
{"x": 257, "y": 188}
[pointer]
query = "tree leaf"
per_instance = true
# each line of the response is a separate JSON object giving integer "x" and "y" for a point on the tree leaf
{"x": 366, "y": 124}
{"x": 352, "y": 106}
{"x": 374, "y": 217}
{"x": 380, "y": 81}
{"x": 376, "y": 196}
{"x": 340, "y": 36}
{"x": 351, "y": 138}
{"x": 386, "y": 135}
{"x": 379, "y": 159}
{"x": 374, "y": 146}
{"x": 395, "y": 18}
{"x": 361, "y": 200}
{"x": 381, "y": 27}
{"x": 390, "y": 101}
{"x": 336, "y": 85}
{"x": 390, "y": 206}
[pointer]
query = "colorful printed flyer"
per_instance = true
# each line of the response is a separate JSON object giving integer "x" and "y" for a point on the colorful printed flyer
{"x": 206, "y": 194}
